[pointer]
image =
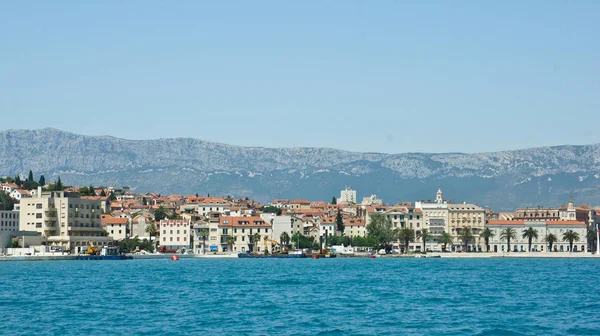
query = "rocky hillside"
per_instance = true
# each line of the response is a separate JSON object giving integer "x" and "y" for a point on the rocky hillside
{"x": 500, "y": 180}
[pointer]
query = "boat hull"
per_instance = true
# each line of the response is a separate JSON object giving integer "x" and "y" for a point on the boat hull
{"x": 260, "y": 256}
{"x": 97, "y": 257}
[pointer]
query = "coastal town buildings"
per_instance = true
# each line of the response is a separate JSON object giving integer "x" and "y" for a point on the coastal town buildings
{"x": 63, "y": 219}
{"x": 462, "y": 216}
{"x": 543, "y": 228}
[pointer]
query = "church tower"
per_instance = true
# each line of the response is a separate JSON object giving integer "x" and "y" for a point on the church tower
{"x": 438, "y": 197}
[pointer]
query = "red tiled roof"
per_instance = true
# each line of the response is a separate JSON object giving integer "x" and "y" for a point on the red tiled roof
{"x": 249, "y": 222}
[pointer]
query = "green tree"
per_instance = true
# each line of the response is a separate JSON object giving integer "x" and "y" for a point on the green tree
{"x": 18, "y": 180}
{"x": 284, "y": 239}
{"x": 570, "y": 236}
{"x": 58, "y": 186}
{"x": 302, "y": 241}
{"x": 6, "y": 202}
{"x": 112, "y": 196}
{"x": 339, "y": 223}
{"x": 406, "y": 235}
{"x": 466, "y": 236}
{"x": 14, "y": 243}
{"x": 508, "y": 234}
{"x": 486, "y": 234}
{"x": 530, "y": 233}
{"x": 550, "y": 239}
{"x": 423, "y": 235}
{"x": 42, "y": 181}
{"x": 30, "y": 177}
{"x": 103, "y": 193}
{"x": 334, "y": 200}
{"x": 7, "y": 179}
{"x": 272, "y": 209}
{"x": 230, "y": 242}
{"x": 204, "y": 234}
{"x": 445, "y": 239}
{"x": 160, "y": 213}
{"x": 92, "y": 191}
{"x": 255, "y": 241}
{"x": 381, "y": 230}
{"x": 151, "y": 229}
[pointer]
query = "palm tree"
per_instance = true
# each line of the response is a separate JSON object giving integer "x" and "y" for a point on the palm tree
{"x": 445, "y": 239}
{"x": 486, "y": 234}
{"x": 423, "y": 235}
{"x": 284, "y": 238}
{"x": 550, "y": 239}
{"x": 530, "y": 233}
{"x": 406, "y": 235}
{"x": 466, "y": 236}
{"x": 508, "y": 234}
{"x": 230, "y": 242}
{"x": 204, "y": 234}
{"x": 570, "y": 236}
{"x": 255, "y": 241}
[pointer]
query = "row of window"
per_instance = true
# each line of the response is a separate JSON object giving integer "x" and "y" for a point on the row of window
{"x": 9, "y": 223}
{"x": 171, "y": 239}
{"x": 171, "y": 232}
{"x": 9, "y": 215}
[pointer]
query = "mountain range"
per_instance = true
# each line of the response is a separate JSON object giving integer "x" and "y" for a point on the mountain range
{"x": 545, "y": 176}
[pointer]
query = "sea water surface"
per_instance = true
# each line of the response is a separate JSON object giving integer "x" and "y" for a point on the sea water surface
{"x": 301, "y": 297}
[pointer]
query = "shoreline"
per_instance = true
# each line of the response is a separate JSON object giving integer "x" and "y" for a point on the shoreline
{"x": 548, "y": 255}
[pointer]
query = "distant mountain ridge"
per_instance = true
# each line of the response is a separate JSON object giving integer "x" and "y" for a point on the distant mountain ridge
{"x": 500, "y": 180}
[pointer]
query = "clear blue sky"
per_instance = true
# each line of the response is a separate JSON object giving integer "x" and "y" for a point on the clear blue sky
{"x": 385, "y": 76}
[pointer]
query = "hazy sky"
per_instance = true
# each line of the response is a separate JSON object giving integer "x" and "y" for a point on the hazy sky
{"x": 399, "y": 76}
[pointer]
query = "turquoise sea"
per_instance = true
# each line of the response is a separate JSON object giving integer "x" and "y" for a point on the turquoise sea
{"x": 301, "y": 297}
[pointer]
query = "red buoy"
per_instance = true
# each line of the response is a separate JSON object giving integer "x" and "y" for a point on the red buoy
{"x": 174, "y": 257}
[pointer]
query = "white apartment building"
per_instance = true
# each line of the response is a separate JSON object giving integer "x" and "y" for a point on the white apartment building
{"x": 347, "y": 196}
{"x": 434, "y": 218}
{"x": 63, "y": 219}
{"x": 279, "y": 225}
{"x": 175, "y": 233}
{"x": 212, "y": 204}
{"x": 543, "y": 228}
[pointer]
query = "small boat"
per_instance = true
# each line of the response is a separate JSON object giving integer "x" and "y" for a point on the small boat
{"x": 272, "y": 256}
{"x": 315, "y": 256}
{"x": 106, "y": 253}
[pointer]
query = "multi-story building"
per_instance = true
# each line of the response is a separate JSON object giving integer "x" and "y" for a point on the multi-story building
{"x": 212, "y": 204}
{"x": 117, "y": 227}
{"x": 347, "y": 196}
{"x": 279, "y": 225}
{"x": 63, "y": 219}
{"x": 243, "y": 230}
{"x": 434, "y": 218}
{"x": 355, "y": 227}
{"x": 543, "y": 228}
{"x": 9, "y": 225}
{"x": 175, "y": 233}
{"x": 461, "y": 216}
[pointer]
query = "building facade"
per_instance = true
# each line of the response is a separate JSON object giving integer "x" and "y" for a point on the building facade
{"x": 543, "y": 228}
{"x": 175, "y": 233}
{"x": 63, "y": 219}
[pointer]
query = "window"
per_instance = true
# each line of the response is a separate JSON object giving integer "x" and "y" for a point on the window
{"x": 171, "y": 238}
{"x": 38, "y": 206}
{"x": 171, "y": 232}
{"x": 119, "y": 231}
{"x": 38, "y": 215}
